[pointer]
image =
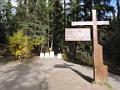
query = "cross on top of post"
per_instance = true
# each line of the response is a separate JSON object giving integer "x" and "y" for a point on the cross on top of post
{"x": 94, "y": 23}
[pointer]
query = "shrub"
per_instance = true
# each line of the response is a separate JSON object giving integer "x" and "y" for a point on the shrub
{"x": 4, "y": 50}
{"x": 65, "y": 57}
{"x": 20, "y": 45}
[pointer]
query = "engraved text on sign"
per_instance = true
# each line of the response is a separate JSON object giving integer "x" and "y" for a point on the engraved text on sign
{"x": 77, "y": 34}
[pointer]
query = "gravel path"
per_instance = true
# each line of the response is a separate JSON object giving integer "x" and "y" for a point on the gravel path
{"x": 50, "y": 74}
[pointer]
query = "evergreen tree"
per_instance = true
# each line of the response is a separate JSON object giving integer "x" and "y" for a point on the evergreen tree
{"x": 32, "y": 17}
{"x": 113, "y": 45}
{"x": 6, "y": 18}
{"x": 58, "y": 33}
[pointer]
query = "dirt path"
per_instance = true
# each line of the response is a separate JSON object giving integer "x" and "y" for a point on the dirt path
{"x": 49, "y": 74}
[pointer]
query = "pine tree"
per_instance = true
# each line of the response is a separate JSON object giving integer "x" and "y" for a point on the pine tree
{"x": 58, "y": 29}
{"x": 31, "y": 17}
{"x": 34, "y": 19}
{"x": 6, "y": 18}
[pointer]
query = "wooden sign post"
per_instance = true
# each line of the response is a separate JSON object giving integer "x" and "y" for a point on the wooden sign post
{"x": 100, "y": 70}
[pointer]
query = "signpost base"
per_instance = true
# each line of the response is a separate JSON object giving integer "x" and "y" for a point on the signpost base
{"x": 100, "y": 70}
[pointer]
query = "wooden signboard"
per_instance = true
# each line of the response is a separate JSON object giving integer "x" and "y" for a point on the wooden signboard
{"x": 77, "y": 34}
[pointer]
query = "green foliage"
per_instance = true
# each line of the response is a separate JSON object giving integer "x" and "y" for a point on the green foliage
{"x": 58, "y": 28}
{"x": 20, "y": 44}
{"x": 34, "y": 24}
{"x": 33, "y": 20}
{"x": 4, "y": 50}
{"x": 18, "y": 53}
{"x": 5, "y": 20}
{"x": 65, "y": 57}
{"x": 38, "y": 41}
{"x": 2, "y": 4}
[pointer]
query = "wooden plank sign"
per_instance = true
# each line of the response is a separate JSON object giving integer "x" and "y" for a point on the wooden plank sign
{"x": 77, "y": 34}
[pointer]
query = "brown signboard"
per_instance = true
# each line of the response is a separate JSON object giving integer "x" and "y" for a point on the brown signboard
{"x": 77, "y": 34}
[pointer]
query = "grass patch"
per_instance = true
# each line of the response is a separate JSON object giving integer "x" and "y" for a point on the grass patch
{"x": 106, "y": 84}
{"x": 12, "y": 59}
{"x": 7, "y": 59}
{"x": 9, "y": 62}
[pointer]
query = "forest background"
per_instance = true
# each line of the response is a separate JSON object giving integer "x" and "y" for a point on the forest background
{"x": 29, "y": 27}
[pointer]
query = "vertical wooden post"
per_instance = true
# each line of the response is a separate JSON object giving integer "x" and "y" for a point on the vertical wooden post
{"x": 100, "y": 70}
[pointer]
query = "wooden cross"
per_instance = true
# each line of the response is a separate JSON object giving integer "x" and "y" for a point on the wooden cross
{"x": 94, "y": 23}
{"x": 100, "y": 70}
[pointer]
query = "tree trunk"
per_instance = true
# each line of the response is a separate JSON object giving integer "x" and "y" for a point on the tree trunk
{"x": 75, "y": 49}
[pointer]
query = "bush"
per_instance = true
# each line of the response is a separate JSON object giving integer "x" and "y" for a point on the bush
{"x": 20, "y": 45}
{"x": 3, "y": 50}
{"x": 65, "y": 57}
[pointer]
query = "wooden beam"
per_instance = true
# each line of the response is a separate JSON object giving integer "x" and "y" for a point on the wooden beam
{"x": 82, "y": 23}
{"x": 89, "y": 23}
{"x": 102, "y": 22}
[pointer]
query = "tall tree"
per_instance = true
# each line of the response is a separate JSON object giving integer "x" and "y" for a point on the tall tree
{"x": 6, "y": 17}
{"x": 58, "y": 33}
{"x": 32, "y": 18}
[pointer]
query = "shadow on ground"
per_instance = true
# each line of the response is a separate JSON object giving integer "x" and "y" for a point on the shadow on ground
{"x": 115, "y": 77}
{"x": 6, "y": 60}
{"x": 23, "y": 77}
{"x": 87, "y": 78}
{"x": 61, "y": 66}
